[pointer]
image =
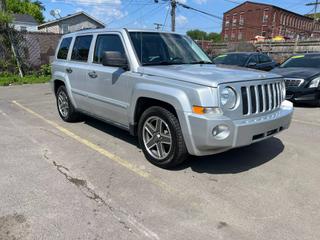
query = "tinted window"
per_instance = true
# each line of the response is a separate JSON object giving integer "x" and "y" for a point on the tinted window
{"x": 264, "y": 58}
{"x": 81, "y": 48}
{"x": 232, "y": 59}
{"x": 254, "y": 59}
{"x": 64, "y": 48}
{"x": 107, "y": 43}
{"x": 308, "y": 61}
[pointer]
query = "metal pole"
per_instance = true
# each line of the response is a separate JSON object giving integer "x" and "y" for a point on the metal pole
{"x": 173, "y": 15}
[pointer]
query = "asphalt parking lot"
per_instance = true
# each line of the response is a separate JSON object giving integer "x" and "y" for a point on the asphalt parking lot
{"x": 89, "y": 180}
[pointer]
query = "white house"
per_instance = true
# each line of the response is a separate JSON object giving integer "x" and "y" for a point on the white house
{"x": 24, "y": 23}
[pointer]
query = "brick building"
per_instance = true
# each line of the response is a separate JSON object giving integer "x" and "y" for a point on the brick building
{"x": 249, "y": 20}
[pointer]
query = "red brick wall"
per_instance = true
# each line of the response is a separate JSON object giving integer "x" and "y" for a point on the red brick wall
{"x": 279, "y": 22}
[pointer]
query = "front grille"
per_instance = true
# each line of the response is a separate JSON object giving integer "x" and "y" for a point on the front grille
{"x": 261, "y": 98}
{"x": 293, "y": 82}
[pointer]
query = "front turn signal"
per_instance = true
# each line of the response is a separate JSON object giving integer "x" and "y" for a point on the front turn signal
{"x": 206, "y": 110}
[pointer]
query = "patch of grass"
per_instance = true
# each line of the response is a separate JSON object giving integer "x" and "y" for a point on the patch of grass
{"x": 16, "y": 80}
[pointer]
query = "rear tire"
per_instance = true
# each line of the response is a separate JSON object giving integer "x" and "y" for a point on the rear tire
{"x": 160, "y": 138}
{"x": 65, "y": 108}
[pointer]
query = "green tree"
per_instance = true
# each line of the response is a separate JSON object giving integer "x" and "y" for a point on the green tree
{"x": 33, "y": 8}
{"x": 215, "y": 37}
{"x": 5, "y": 17}
{"x": 197, "y": 34}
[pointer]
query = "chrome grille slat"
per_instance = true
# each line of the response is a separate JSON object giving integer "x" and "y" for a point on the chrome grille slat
{"x": 279, "y": 94}
{"x": 264, "y": 98}
{"x": 274, "y": 93}
{"x": 249, "y": 100}
{"x": 257, "y": 99}
{"x": 270, "y": 96}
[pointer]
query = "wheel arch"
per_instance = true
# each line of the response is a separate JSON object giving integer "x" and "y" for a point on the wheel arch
{"x": 147, "y": 95}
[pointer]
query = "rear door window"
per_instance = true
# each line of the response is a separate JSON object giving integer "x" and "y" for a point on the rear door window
{"x": 81, "y": 47}
{"x": 64, "y": 48}
{"x": 108, "y": 42}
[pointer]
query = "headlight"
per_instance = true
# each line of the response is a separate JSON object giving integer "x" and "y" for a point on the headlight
{"x": 228, "y": 98}
{"x": 314, "y": 83}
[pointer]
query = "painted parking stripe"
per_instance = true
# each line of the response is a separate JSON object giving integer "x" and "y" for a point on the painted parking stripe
{"x": 133, "y": 168}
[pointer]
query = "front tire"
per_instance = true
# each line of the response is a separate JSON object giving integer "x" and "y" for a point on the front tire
{"x": 160, "y": 138}
{"x": 65, "y": 108}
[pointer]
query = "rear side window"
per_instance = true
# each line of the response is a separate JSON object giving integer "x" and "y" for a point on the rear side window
{"x": 264, "y": 58}
{"x": 254, "y": 59}
{"x": 81, "y": 48}
{"x": 110, "y": 42}
{"x": 64, "y": 48}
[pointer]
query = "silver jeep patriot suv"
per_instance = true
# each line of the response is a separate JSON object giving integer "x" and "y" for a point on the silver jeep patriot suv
{"x": 163, "y": 88}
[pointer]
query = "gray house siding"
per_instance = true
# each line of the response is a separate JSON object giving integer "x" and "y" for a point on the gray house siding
{"x": 71, "y": 24}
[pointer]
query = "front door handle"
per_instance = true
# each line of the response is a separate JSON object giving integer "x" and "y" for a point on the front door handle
{"x": 69, "y": 70}
{"x": 93, "y": 74}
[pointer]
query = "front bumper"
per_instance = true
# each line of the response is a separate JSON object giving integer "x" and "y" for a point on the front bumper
{"x": 242, "y": 132}
{"x": 307, "y": 95}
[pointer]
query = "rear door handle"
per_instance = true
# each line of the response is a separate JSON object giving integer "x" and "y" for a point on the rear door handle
{"x": 69, "y": 70}
{"x": 93, "y": 74}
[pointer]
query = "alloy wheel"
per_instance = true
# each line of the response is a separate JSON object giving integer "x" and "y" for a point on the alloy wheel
{"x": 157, "y": 137}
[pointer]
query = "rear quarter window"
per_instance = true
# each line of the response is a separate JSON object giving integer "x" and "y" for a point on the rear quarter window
{"x": 64, "y": 48}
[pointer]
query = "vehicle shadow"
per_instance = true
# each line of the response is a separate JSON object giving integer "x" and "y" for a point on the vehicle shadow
{"x": 230, "y": 162}
{"x": 236, "y": 160}
{"x": 304, "y": 105}
{"x": 111, "y": 130}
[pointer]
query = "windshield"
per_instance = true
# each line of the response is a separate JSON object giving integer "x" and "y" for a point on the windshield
{"x": 232, "y": 59}
{"x": 305, "y": 61}
{"x": 166, "y": 49}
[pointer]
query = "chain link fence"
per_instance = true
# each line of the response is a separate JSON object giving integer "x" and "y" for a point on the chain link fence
{"x": 25, "y": 52}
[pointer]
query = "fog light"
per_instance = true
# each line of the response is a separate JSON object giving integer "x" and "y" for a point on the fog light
{"x": 221, "y": 132}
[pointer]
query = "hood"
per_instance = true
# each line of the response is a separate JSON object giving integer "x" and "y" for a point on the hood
{"x": 206, "y": 74}
{"x": 303, "y": 73}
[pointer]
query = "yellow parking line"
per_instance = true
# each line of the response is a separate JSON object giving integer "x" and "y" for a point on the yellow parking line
{"x": 158, "y": 182}
{"x": 306, "y": 122}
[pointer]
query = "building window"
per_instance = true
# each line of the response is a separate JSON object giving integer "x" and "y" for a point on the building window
{"x": 265, "y": 16}
{"x": 65, "y": 28}
{"x": 233, "y": 35}
{"x": 227, "y": 24}
{"x": 23, "y": 28}
{"x": 241, "y": 19}
{"x": 234, "y": 20}
{"x": 226, "y": 36}
{"x": 240, "y": 36}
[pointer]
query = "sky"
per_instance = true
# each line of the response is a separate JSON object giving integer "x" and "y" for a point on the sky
{"x": 144, "y": 13}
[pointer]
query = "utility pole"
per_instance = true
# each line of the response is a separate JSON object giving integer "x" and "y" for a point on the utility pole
{"x": 315, "y": 4}
{"x": 173, "y": 15}
{"x": 158, "y": 26}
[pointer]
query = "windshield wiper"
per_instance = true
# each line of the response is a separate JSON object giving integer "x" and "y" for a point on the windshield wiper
{"x": 201, "y": 62}
{"x": 161, "y": 63}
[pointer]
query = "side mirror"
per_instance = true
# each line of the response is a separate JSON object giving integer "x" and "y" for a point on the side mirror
{"x": 114, "y": 59}
{"x": 252, "y": 64}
